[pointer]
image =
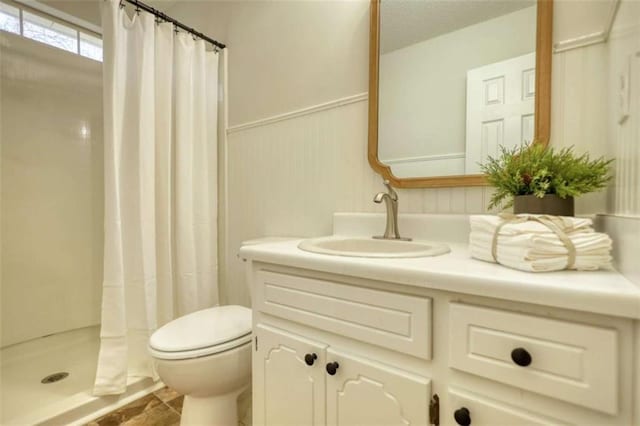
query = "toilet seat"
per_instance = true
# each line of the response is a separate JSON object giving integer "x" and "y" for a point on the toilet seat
{"x": 206, "y": 332}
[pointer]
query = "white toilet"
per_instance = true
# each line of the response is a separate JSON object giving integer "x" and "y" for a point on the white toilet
{"x": 206, "y": 356}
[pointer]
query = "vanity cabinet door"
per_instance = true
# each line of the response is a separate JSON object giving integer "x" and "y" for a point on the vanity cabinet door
{"x": 468, "y": 408}
{"x": 289, "y": 379}
{"x": 364, "y": 392}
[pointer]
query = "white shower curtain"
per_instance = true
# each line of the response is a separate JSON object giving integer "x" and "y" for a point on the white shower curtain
{"x": 160, "y": 251}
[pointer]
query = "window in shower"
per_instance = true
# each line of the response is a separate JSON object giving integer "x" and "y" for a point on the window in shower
{"x": 40, "y": 27}
{"x": 90, "y": 46}
{"x": 9, "y": 18}
{"x": 52, "y": 33}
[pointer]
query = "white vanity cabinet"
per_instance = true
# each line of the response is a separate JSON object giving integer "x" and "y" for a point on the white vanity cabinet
{"x": 340, "y": 342}
{"x": 302, "y": 382}
{"x": 310, "y": 380}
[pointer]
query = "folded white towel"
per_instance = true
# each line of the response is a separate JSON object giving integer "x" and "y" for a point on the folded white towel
{"x": 568, "y": 225}
{"x": 582, "y": 263}
{"x": 533, "y": 246}
{"x": 526, "y": 259}
{"x": 545, "y": 243}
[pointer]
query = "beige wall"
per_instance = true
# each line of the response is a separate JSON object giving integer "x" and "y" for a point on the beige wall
{"x": 286, "y": 177}
{"x": 286, "y": 55}
{"x": 51, "y": 190}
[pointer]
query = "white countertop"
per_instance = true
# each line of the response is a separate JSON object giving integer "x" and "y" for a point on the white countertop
{"x": 603, "y": 292}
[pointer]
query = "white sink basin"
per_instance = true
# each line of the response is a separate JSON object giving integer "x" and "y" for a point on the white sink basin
{"x": 372, "y": 247}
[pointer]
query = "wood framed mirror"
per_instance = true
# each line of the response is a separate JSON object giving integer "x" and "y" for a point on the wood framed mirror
{"x": 488, "y": 83}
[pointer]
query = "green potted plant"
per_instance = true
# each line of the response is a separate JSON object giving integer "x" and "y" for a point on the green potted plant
{"x": 535, "y": 179}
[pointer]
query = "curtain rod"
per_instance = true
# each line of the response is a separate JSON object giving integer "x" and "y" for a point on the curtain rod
{"x": 167, "y": 18}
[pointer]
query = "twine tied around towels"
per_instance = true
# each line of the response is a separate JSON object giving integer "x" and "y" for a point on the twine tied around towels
{"x": 554, "y": 223}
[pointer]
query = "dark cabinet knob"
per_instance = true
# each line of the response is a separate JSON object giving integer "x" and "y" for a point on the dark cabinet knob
{"x": 332, "y": 367}
{"x": 462, "y": 416}
{"x": 310, "y": 358}
{"x": 521, "y": 357}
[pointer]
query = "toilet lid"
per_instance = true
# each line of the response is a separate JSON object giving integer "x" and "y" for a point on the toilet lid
{"x": 203, "y": 329}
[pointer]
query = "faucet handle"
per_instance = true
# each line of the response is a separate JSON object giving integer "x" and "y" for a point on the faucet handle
{"x": 392, "y": 192}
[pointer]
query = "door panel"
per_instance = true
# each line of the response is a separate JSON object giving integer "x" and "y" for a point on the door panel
{"x": 363, "y": 392}
{"x": 286, "y": 390}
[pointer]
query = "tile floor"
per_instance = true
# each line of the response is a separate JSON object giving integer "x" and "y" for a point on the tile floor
{"x": 161, "y": 408}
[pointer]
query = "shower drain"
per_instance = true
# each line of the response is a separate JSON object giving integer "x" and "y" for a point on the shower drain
{"x": 55, "y": 377}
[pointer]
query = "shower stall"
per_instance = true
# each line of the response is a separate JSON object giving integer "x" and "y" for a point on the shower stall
{"x": 51, "y": 215}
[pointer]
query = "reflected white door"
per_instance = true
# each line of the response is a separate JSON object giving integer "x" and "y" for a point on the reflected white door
{"x": 500, "y": 108}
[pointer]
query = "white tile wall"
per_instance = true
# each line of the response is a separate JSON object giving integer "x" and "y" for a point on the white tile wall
{"x": 51, "y": 190}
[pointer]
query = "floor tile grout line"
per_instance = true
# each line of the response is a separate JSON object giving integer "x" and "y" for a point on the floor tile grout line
{"x": 171, "y": 408}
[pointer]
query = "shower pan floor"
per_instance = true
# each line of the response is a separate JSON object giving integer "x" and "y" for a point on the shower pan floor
{"x": 25, "y": 400}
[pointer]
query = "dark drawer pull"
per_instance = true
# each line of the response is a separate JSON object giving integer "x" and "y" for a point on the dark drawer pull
{"x": 332, "y": 367}
{"x": 309, "y": 359}
{"x": 521, "y": 357}
{"x": 462, "y": 416}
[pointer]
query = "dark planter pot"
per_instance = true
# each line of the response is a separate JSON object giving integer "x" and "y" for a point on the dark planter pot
{"x": 550, "y": 204}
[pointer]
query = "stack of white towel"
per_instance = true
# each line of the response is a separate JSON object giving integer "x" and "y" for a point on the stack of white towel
{"x": 524, "y": 243}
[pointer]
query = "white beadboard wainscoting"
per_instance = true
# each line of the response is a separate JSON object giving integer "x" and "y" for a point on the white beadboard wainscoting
{"x": 287, "y": 175}
{"x": 624, "y": 114}
{"x": 585, "y": 109}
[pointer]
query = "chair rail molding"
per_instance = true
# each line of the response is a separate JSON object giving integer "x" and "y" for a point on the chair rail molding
{"x": 359, "y": 97}
{"x": 603, "y": 21}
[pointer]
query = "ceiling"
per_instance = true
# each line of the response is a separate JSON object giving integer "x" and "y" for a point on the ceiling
{"x": 405, "y": 22}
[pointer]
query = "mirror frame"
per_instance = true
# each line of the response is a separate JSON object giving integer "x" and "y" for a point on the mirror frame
{"x": 542, "y": 123}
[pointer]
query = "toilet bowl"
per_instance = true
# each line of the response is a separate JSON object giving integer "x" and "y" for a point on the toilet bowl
{"x": 206, "y": 356}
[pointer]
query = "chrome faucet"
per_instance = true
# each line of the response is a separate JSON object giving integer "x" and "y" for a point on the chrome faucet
{"x": 391, "y": 202}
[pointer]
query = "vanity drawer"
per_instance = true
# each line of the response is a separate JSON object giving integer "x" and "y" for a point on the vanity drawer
{"x": 489, "y": 412}
{"x": 394, "y": 321}
{"x": 572, "y": 362}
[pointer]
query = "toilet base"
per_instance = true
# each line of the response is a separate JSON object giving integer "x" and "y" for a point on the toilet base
{"x": 221, "y": 410}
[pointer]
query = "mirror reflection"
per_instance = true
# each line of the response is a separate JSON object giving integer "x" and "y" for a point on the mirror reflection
{"x": 456, "y": 81}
